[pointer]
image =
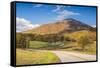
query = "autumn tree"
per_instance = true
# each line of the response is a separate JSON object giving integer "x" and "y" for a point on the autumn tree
{"x": 84, "y": 41}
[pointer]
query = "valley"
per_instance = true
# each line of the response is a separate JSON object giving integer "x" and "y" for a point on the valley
{"x": 68, "y": 40}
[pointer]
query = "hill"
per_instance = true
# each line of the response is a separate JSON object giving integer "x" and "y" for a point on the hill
{"x": 63, "y": 26}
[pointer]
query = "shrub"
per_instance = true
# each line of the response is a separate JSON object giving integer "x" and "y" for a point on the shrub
{"x": 84, "y": 41}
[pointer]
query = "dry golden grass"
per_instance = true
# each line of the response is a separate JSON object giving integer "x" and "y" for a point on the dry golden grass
{"x": 25, "y": 57}
{"x": 90, "y": 49}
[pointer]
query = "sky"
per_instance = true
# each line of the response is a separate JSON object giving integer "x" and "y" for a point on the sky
{"x": 29, "y": 15}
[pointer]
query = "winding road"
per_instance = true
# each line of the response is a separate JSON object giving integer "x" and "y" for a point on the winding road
{"x": 73, "y": 56}
{"x": 67, "y": 56}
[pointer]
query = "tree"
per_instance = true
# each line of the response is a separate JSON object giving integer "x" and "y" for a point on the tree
{"x": 27, "y": 40}
{"x": 62, "y": 38}
{"x": 84, "y": 41}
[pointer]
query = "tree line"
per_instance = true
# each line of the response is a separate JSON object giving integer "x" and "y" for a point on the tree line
{"x": 22, "y": 40}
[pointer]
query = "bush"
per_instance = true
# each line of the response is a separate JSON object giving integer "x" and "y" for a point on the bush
{"x": 84, "y": 41}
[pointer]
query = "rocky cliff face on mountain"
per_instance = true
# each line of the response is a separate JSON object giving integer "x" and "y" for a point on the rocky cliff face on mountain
{"x": 63, "y": 26}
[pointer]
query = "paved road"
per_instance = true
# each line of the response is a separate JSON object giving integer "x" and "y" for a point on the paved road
{"x": 66, "y": 56}
{"x": 73, "y": 56}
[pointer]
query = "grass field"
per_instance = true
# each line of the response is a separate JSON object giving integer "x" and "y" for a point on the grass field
{"x": 44, "y": 45}
{"x": 68, "y": 46}
{"x": 38, "y": 44}
{"x": 26, "y": 57}
{"x": 91, "y": 49}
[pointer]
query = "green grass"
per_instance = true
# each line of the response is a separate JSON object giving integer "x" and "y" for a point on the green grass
{"x": 38, "y": 44}
{"x": 68, "y": 46}
{"x": 44, "y": 45}
{"x": 25, "y": 57}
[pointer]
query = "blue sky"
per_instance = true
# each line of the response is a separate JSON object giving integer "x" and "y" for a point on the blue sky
{"x": 35, "y": 14}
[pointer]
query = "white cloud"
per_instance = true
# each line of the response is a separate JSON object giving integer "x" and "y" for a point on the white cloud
{"x": 65, "y": 13}
{"x": 62, "y": 13}
{"x": 94, "y": 26}
{"x": 23, "y": 24}
{"x": 38, "y": 5}
{"x": 57, "y": 8}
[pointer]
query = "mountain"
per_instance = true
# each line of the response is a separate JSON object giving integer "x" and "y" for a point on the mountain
{"x": 63, "y": 26}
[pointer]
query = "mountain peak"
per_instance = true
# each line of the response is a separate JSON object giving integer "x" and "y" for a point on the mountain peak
{"x": 72, "y": 20}
{"x": 66, "y": 25}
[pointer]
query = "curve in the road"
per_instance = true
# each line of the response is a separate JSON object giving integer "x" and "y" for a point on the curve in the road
{"x": 73, "y": 57}
{"x": 66, "y": 56}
